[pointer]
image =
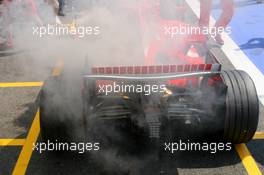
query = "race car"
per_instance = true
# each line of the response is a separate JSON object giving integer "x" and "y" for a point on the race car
{"x": 189, "y": 98}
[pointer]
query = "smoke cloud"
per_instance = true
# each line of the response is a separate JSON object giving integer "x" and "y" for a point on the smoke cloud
{"x": 118, "y": 43}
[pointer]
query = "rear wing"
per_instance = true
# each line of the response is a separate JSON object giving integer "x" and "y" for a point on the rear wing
{"x": 162, "y": 72}
{"x": 177, "y": 75}
{"x": 154, "y": 70}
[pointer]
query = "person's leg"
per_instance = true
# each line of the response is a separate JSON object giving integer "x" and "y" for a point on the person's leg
{"x": 225, "y": 18}
{"x": 205, "y": 11}
{"x": 61, "y": 7}
{"x": 227, "y": 14}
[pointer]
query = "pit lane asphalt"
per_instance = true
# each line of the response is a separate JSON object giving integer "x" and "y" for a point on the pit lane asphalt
{"x": 17, "y": 110}
{"x": 19, "y": 105}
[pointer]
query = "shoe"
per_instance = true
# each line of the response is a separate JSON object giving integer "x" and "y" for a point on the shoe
{"x": 60, "y": 13}
{"x": 219, "y": 39}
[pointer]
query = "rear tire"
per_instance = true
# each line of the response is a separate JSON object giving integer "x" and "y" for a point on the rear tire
{"x": 242, "y": 107}
{"x": 60, "y": 110}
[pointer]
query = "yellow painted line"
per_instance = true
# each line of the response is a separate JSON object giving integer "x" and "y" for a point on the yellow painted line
{"x": 247, "y": 160}
{"x": 25, "y": 154}
{"x": 58, "y": 68}
{"x": 21, "y": 84}
{"x": 259, "y": 135}
{"x": 12, "y": 142}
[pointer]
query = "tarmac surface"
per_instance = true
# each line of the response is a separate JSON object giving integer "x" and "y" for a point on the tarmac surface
{"x": 18, "y": 109}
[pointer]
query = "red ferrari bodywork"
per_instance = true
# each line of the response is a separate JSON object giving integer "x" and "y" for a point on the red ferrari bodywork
{"x": 179, "y": 53}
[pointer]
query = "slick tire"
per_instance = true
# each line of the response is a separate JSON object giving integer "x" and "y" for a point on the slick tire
{"x": 242, "y": 107}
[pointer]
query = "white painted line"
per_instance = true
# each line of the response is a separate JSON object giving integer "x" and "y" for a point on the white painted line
{"x": 236, "y": 56}
{"x": 58, "y": 21}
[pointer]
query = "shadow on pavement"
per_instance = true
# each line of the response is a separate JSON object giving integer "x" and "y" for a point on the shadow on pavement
{"x": 25, "y": 119}
{"x": 256, "y": 147}
{"x": 148, "y": 164}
